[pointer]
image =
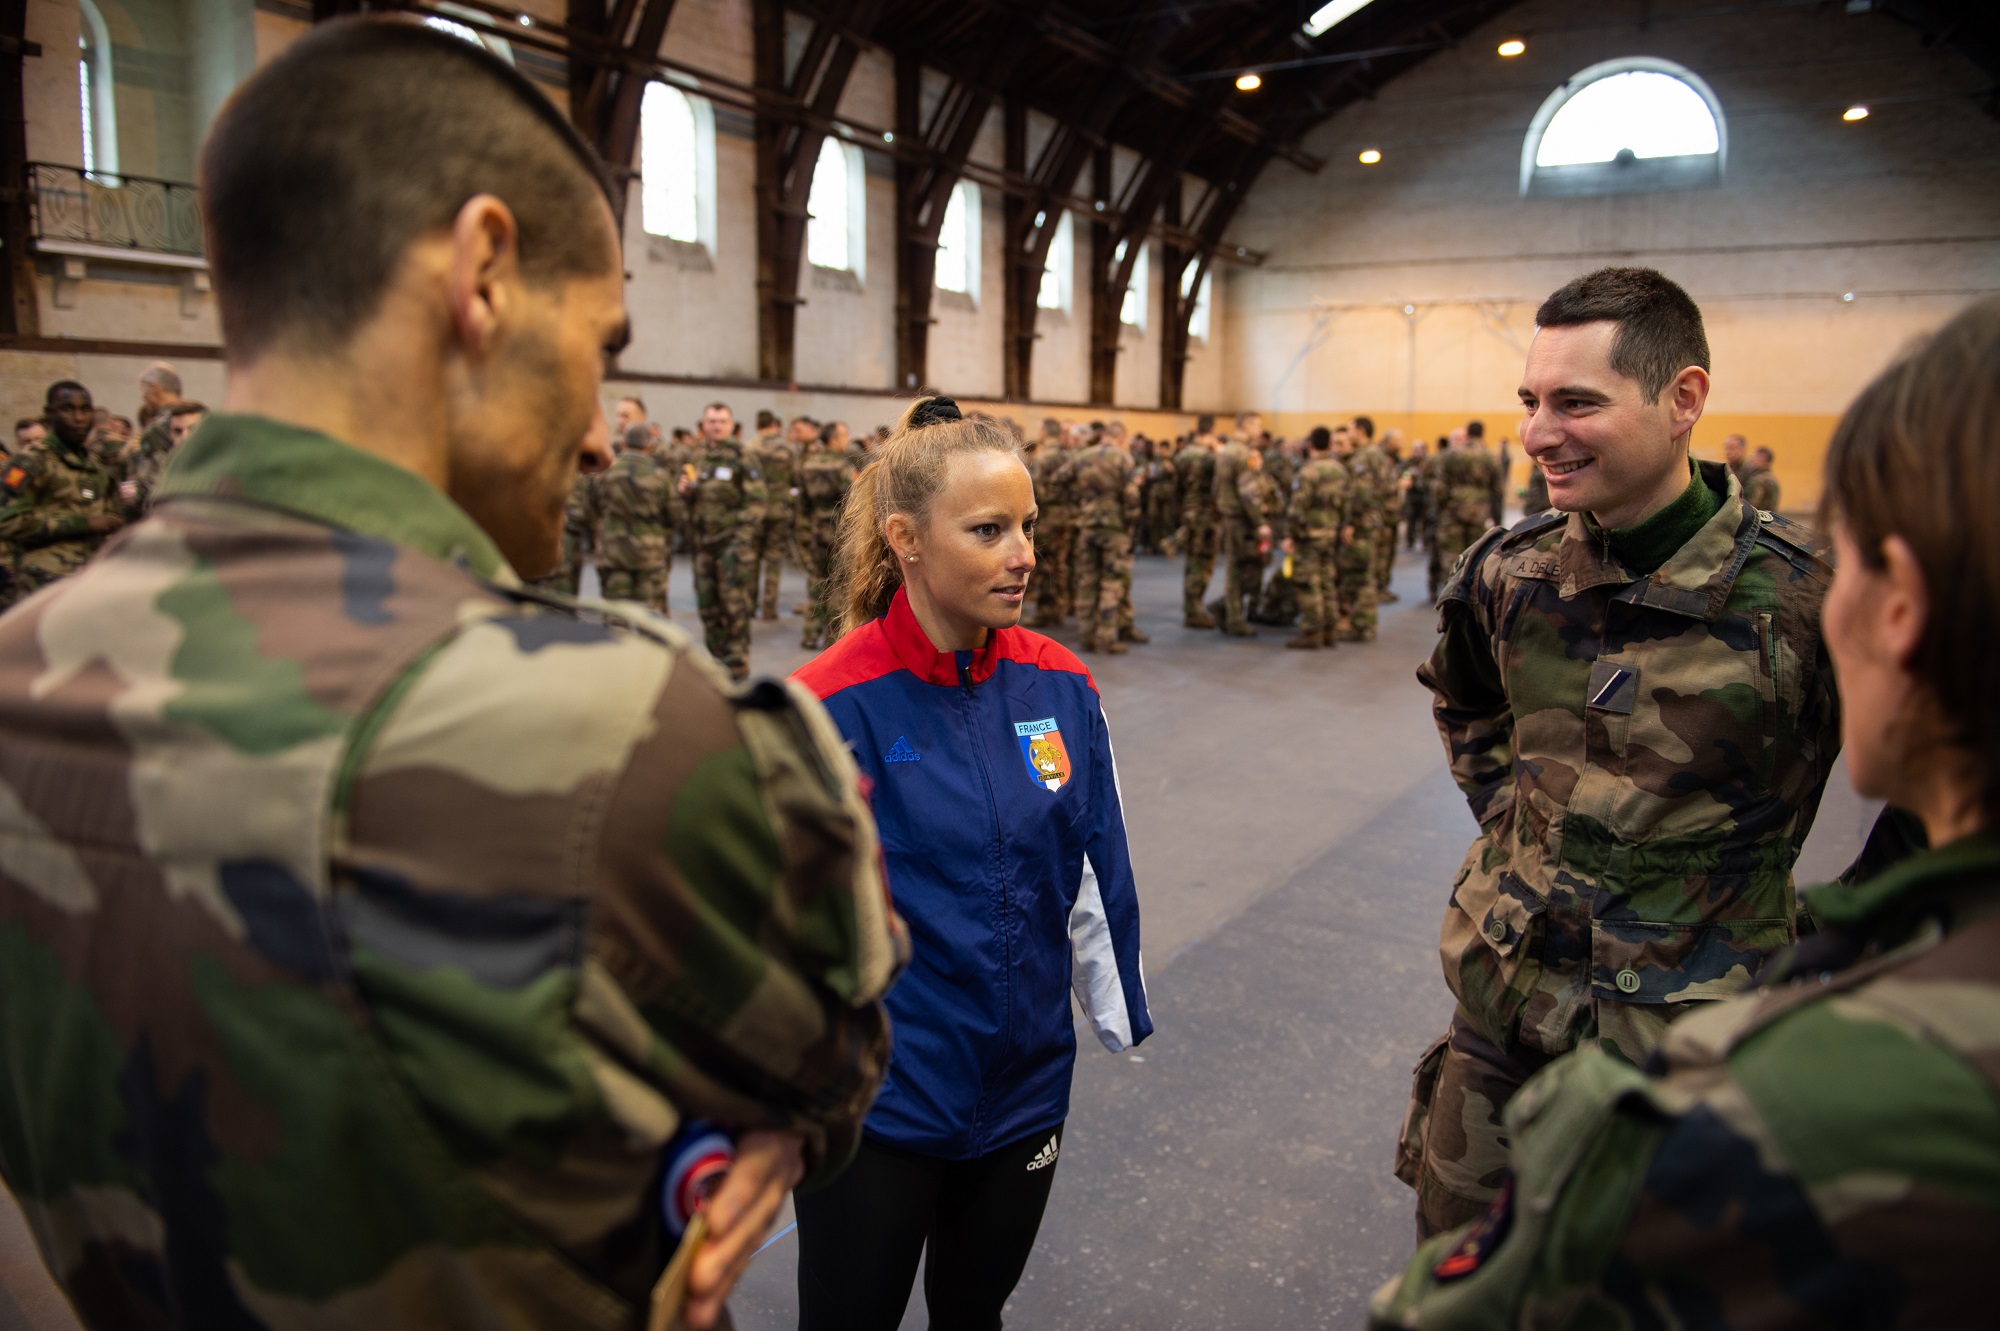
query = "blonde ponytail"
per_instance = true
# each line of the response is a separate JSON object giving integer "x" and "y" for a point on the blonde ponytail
{"x": 904, "y": 475}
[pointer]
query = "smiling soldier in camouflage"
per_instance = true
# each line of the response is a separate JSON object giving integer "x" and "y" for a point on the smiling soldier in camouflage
{"x": 368, "y": 924}
{"x": 1635, "y": 700}
{"x": 1824, "y": 1152}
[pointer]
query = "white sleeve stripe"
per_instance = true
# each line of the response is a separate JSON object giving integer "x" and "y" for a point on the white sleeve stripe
{"x": 1094, "y": 966}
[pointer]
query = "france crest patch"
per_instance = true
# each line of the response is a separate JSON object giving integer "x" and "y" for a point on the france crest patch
{"x": 1042, "y": 749}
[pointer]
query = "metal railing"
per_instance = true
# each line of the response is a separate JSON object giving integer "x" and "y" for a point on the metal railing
{"x": 118, "y": 211}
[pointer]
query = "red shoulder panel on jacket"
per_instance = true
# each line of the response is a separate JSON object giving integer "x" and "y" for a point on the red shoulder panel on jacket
{"x": 1027, "y": 647}
{"x": 857, "y": 658}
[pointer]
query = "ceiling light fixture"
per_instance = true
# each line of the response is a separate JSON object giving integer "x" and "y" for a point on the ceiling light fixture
{"x": 1512, "y": 47}
{"x": 527, "y": 22}
{"x": 1248, "y": 82}
{"x": 1854, "y": 113}
{"x": 1370, "y": 156}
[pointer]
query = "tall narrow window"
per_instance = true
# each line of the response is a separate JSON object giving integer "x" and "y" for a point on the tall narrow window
{"x": 97, "y": 103}
{"x": 827, "y": 207}
{"x": 89, "y": 111}
{"x": 958, "y": 241}
{"x": 1198, "y": 317}
{"x": 669, "y": 165}
{"x": 1132, "y": 309}
{"x": 1059, "y": 268}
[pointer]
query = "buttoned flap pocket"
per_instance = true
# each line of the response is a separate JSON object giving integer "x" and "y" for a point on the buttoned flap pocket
{"x": 1490, "y": 944}
{"x": 1639, "y": 961}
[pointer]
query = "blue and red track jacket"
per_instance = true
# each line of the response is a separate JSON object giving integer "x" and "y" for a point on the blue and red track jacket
{"x": 998, "y": 807}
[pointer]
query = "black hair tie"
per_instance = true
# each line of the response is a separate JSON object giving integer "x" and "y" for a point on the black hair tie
{"x": 936, "y": 411}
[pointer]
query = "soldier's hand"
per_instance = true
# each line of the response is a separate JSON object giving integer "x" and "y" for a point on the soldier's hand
{"x": 768, "y": 1166}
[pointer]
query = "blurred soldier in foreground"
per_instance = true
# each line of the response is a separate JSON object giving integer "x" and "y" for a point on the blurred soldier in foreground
{"x": 726, "y": 500}
{"x": 1821, "y": 1152}
{"x": 1634, "y": 698}
{"x": 578, "y": 537}
{"x": 58, "y": 504}
{"x": 370, "y": 925}
{"x": 634, "y": 504}
{"x": 1194, "y": 480}
{"x": 825, "y": 477}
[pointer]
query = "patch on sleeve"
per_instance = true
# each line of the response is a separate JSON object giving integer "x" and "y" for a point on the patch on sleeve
{"x": 13, "y": 478}
{"x": 1482, "y": 1240}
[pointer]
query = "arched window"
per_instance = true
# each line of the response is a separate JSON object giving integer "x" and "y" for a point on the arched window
{"x": 958, "y": 242}
{"x": 836, "y": 225}
{"x": 1132, "y": 310}
{"x": 466, "y": 31}
{"x": 677, "y": 165}
{"x": 1624, "y": 126}
{"x": 1059, "y": 268}
{"x": 97, "y": 102}
{"x": 1198, "y": 317}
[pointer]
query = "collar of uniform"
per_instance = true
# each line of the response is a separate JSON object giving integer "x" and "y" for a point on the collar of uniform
{"x": 256, "y": 460}
{"x": 1695, "y": 581}
{"x": 914, "y": 650}
{"x": 1972, "y": 861}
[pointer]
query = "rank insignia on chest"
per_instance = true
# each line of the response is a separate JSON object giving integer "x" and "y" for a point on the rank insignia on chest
{"x": 723, "y": 473}
{"x": 1042, "y": 749}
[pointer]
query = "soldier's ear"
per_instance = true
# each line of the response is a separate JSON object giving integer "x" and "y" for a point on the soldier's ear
{"x": 1904, "y": 612}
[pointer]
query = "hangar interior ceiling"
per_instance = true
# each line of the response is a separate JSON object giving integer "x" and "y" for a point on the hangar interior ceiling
{"x": 1155, "y": 77}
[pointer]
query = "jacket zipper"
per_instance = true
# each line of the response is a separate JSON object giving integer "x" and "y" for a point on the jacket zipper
{"x": 999, "y": 858}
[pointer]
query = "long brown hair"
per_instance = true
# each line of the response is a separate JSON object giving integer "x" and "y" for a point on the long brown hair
{"x": 904, "y": 475}
{"x": 1918, "y": 456}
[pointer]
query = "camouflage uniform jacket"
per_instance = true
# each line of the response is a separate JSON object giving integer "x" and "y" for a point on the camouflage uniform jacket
{"x": 1823, "y": 1152}
{"x": 1106, "y": 485}
{"x": 778, "y": 459}
{"x": 634, "y": 503}
{"x": 1194, "y": 475}
{"x": 1283, "y": 471}
{"x": 825, "y": 477}
{"x": 369, "y": 923}
{"x": 1049, "y": 470}
{"x": 1372, "y": 488}
{"x": 729, "y": 494}
{"x": 1262, "y": 506}
{"x": 149, "y": 460}
{"x": 1319, "y": 509}
{"x": 1230, "y": 463}
{"x": 1381, "y": 469}
{"x": 1644, "y": 756}
{"x": 1466, "y": 477}
{"x": 1760, "y": 490}
{"x": 48, "y": 495}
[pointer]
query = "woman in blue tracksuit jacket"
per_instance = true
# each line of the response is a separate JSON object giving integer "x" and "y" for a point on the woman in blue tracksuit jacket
{"x": 996, "y": 796}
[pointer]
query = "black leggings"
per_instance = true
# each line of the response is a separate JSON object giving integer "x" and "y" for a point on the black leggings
{"x": 860, "y": 1236}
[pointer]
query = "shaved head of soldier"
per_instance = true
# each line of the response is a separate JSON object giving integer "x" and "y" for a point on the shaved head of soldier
{"x": 415, "y": 253}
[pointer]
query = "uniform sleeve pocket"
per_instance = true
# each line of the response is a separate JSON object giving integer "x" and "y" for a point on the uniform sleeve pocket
{"x": 1638, "y": 961}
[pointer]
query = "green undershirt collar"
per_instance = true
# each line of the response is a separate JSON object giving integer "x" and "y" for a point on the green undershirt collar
{"x": 1646, "y": 546}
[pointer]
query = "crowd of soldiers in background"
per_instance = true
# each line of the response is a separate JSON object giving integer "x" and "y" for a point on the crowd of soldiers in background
{"x": 77, "y": 474}
{"x": 1305, "y": 529}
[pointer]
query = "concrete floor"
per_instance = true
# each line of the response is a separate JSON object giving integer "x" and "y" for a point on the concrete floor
{"x": 1294, "y": 834}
